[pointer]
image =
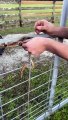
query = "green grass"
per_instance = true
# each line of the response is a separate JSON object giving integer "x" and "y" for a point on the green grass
{"x": 14, "y": 78}
{"x": 24, "y": 29}
{"x": 25, "y": 5}
{"x": 8, "y": 5}
{"x": 29, "y": 11}
{"x": 61, "y": 114}
{"x": 26, "y": 14}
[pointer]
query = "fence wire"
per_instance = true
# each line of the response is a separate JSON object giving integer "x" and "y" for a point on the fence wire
{"x": 9, "y": 13}
{"x": 27, "y": 97}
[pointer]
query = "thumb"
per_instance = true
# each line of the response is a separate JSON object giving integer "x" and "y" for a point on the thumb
{"x": 40, "y": 28}
{"x": 24, "y": 46}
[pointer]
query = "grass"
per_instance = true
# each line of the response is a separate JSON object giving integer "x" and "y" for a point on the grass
{"x": 26, "y": 5}
{"x": 26, "y": 14}
{"x": 23, "y": 5}
{"x": 24, "y": 29}
{"x": 8, "y": 5}
{"x": 29, "y": 11}
{"x": 62, "y": 113}
{"x": 14, "y": 78}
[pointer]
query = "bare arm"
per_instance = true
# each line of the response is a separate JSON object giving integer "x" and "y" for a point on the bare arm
{"x": 46, "y": 44}
{"x": 60, "y": 32}
{"x": 38, "y": 45}
{"x": 58, "y": 48}
{"x": 51, "y": 29}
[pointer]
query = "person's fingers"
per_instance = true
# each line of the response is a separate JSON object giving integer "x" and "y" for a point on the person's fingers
{"x": 25, "y": 47}
{"x": 35, "y": 27}
{"x": 25, "y": 41}
{"x": 20, "y": 43}
{"x": 40, "y": 29}
{"x": 39, "y": 26}
{"x": 37, "y": 23}
{"x": 37, "y": 31}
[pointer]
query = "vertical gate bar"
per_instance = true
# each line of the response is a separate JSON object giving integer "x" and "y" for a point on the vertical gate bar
{"x": 49, "y": 80}
{"x": 55, "y": 108}
{"x": 55, "y": 70}
{"x": 29, "y": 85}
{"x": 64, "y": 13}
{"x": 54, "y": 80}
{"x": 1, "y": 108}
{"x": 57, "y": 59}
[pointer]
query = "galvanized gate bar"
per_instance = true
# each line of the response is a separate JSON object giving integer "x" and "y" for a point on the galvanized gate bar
{"x": 33, "y": 108}
{"x": 55, "y": 71}
{"x": 55, "y": 108}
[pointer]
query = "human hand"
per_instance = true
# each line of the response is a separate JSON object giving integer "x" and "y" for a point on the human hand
{"x": 36, "y": 45}
{"x": 44, "y": 26}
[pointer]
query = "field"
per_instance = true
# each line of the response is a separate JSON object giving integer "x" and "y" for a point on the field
{"x": 31, "y": 11}
{"x": 47, "y": 5}
{"x": 9, "y": 16}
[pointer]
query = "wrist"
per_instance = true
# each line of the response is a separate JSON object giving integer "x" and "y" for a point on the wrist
{"x": 55, "y": 31}
{"x": 47, "y": 43}
{"x": 58, "y": 32}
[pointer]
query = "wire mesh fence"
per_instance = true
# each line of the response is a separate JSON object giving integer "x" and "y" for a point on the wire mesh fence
{"x": 26, "y": 97}
{"x": 62, "y": 83}
{"x": 31, "y": 12}
{"x": 35, "y": 92}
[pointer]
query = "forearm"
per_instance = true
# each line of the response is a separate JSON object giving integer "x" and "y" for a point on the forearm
{"x": 58, "y": 48}
{"x": 60, "y": 32}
